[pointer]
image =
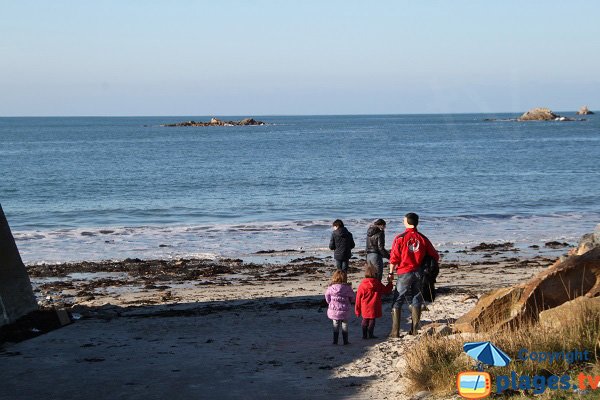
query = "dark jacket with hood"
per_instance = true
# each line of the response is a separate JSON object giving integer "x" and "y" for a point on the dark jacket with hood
{"x": 376, "y": 241}
{"x": 341, "y": 243}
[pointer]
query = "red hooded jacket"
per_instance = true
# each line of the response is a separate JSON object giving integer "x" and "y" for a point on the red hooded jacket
{"x": 409, "y": 249}
{"x": 368, "y": 297}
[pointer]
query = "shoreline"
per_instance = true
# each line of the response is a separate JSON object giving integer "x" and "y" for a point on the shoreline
{"x": 252, "y": 242}
{"x": 461, "y": 252}
{"x": 134, "y": 281}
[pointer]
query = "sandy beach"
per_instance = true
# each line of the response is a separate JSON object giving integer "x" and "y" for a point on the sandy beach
{"x": 224, "y": 329}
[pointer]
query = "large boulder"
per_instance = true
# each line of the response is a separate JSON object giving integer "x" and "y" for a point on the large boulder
{"x": 540, "y": 114}
{"x": 16, "y": 295}
{"x": 576, "y": 276}
{"x": 584, "y": 111}
{"x": 587, "y": 242}
{"x": 562, "y": 282}
{"x": 568, "y": 313}
{"x": 492, "y": 310}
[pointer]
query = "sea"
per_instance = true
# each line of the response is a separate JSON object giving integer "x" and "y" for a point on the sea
{"x": 110, "y": 188}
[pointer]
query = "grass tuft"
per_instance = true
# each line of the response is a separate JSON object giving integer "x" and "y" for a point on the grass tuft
{"x": 435, "y": 361}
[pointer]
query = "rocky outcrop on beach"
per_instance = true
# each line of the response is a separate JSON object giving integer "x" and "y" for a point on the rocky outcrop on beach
{"x": 568, "y": 279}
{"x": 542, "y": 114}
{"x": 217, "y": 122}
{"x": 584, "y": 111}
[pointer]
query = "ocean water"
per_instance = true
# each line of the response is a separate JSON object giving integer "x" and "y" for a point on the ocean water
{"x": 110, "y": 188}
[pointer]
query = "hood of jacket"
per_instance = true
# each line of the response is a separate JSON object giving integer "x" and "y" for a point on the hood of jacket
{"x": 339, "y": 289}
{"x": 342, "y": 232}
{"x": 369, "y": 283}
{"x": 373, "y": 230}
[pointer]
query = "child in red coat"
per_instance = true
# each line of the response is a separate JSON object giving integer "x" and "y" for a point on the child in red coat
{"x": 368, "y": 300}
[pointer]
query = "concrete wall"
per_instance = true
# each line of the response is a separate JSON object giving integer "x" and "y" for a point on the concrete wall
{"x": 16, "y": 295}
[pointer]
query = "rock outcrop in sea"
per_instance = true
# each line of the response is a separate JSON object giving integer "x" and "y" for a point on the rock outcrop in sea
{"x": 542, "y": 114}
{"x": 217, "y": 122}
{"x": 571, "y": 281}
{"x": 584, "y": 111}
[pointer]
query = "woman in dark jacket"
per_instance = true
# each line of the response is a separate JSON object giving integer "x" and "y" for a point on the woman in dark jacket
{"x": 342, "y": 244}
{"x": 376, "y": 251}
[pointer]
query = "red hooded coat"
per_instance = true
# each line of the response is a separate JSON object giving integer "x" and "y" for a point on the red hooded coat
{"x": 368, "y": 297}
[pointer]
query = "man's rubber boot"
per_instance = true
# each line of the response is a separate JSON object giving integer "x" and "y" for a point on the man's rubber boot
{"x": 336, "y": 335}
{"x": 371, "y": 335}
{"x": 365, "y": 328}
{"x": 416, "y": 319}
{"x": 345, "y": 337}
{"x": 395, "y": 333}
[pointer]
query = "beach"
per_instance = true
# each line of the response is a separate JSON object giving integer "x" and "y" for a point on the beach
{"x": 193, "y": 328}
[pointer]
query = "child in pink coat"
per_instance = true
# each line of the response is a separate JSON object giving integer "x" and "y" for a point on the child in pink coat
{"x": 339, "y": 296}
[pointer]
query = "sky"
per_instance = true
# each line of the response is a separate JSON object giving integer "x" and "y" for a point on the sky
{"x": 274, "y": 57}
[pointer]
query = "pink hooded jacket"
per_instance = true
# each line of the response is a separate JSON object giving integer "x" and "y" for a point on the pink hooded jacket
{"x": 339, "y": 296}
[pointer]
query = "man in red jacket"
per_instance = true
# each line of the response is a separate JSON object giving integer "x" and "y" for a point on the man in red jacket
{"x": 408, "y": 252}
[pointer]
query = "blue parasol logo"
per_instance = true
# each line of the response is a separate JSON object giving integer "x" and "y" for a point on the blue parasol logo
{"x": 477, "y": 385}
{"x": 486, "y": 353}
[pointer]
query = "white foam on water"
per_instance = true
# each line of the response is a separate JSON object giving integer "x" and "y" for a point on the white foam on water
{"x": 243, "y": 240}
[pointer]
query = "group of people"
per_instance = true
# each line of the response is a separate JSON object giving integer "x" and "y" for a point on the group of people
{"x": 408, "y": 254}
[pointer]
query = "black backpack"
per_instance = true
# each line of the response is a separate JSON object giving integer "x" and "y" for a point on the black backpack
{"x": 430, "y": 269}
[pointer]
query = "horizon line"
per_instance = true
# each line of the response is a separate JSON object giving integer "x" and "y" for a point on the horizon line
{"x": 262, "y": 115}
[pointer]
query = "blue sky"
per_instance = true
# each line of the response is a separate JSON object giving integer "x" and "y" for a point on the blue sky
{"x": 296, "y": 57}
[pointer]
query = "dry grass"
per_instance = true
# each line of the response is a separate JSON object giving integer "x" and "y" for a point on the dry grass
{"x": 435, "y": 361}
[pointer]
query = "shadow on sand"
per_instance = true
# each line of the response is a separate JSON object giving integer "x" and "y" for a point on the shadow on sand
{"x": 259, "y": 348}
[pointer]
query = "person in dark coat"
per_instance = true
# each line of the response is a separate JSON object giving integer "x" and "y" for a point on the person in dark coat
{"x": 376, "y": 251}
{"x": 342, "y": 244}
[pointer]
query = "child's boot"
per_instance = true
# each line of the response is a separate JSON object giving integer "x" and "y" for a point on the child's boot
{"x": 416, "y": 319}
{"x": 395, "y": 323}
{"x": 371, "y": 335}
{"x": 365, "y": 329}
{"x": 345, "y": 337}
{"x": 336, "y": 336}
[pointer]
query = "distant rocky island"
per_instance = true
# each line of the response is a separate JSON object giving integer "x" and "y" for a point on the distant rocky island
{"x": 584, "y": 111}
{"x": 544, "y": 114}
{"x": 217, "y": 122}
